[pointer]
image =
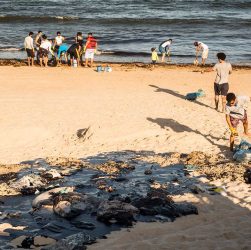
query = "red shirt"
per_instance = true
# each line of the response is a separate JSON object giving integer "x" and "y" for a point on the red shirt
{"x": 91, "y": 43}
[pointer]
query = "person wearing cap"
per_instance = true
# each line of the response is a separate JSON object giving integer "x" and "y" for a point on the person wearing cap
{"x": 203, "y": 48}
{"x": 29, "y": 48}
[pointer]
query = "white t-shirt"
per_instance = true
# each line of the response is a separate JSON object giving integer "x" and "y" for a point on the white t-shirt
{"x": 46, "y": 45}
{"x": 59, "y": 40}
{"x": 28, "y": 43}
{"x": 166, "y": 44}
{"x": 238, "y": 110}
{"x": 223, "y": 70}
{"x": 202, "y": 46}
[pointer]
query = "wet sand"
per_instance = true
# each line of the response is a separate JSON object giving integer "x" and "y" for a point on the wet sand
{"x": 78, "y": 112}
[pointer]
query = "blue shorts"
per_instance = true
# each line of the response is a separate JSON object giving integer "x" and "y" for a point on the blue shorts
{"x": 163, "y": 50}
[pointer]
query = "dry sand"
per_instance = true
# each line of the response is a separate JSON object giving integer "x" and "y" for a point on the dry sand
{"x": 44, "y": 111}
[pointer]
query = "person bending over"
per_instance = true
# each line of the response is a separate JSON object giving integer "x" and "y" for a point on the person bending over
{"x": 236, "y": 111}
{"x": 165, "y": 49}
{"x": 203, "y": 48}
{"x": 74, "y": 52}
{"x": 62, "y": 53}
{"x": 44, "y": 50}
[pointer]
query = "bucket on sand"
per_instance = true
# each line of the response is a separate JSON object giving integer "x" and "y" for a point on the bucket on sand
{"x": 99, "y": 68}
{"x": 108, "y": 69}
{"x": 75, "y": 63}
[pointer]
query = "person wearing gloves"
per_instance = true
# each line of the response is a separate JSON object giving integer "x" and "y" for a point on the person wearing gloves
{"x": 236, "y": 111}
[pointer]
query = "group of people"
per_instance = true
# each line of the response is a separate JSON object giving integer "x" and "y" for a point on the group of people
{"x": 165, "y": 50}
{"x": 42, "y": 47}
{"x": 235, "y": 107}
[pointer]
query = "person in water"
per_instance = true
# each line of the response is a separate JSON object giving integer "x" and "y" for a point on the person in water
{"x": 29, "y": 48}
{"x": 236, "y": 111}
{"x": 165, "y": 49}
{"x": 90, "y": 49}
{"x": 203, "y": 48}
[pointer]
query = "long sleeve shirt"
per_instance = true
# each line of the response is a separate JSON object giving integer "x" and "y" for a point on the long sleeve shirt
{"x": 28, "y": 43}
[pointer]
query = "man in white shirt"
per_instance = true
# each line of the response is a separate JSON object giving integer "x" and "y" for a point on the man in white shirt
{"x": 44, "y": 50}
{"x": 58, "y": 41}
{"x": 203, "y": 48}
{"x": 164, "y": 49}
{"x": 29, "y": 48}
{"x": 221, "y": 86}
{"x": 236, "y": 111}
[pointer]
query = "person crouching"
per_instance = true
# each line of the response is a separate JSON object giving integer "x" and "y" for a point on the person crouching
{"x": 236, "y": 111}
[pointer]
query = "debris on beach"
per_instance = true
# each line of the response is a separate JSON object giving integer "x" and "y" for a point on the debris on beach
{"x": 74, "y": 201}
{"x": 243, "y": 152}
{"x": 194, "y": 95}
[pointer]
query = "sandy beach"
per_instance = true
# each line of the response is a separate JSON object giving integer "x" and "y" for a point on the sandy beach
{"x": 75, "y": 113}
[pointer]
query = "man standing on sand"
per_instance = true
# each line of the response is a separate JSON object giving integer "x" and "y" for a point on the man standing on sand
{"x": 38, "y": 40}
{"x": 90, "y": 49}
{"x": 29, "y": 48}
{"x": 44, "y": 50}
{"x": 223, "y": 70}
{"x": 199, "y": 46}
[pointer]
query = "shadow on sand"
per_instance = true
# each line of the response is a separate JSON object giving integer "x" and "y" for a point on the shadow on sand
{"x": 177, "y": 127}
{"x": 176, "y": 94}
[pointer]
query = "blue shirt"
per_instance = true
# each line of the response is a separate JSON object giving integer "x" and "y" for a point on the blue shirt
{"x": 62, "y": 48}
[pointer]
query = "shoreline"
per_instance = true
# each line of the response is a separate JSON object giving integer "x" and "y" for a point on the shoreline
{"x": 23, "y": 62}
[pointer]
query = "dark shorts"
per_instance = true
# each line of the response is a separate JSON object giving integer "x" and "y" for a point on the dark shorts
{"x": 154, "y": 61}
{"x": 56, "y": 48}
{"x": 73, "y": 54}
{"x": 43, "y": 52}
{"x": 221, "y": 89}
{"x": 30, "y": 53}
{"x": 235, "y": 121}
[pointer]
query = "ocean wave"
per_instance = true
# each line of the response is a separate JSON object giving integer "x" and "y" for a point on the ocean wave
{"x": 10, "y": 49}
{"x": 122, "y": 20}
{"x": 12, "y": 18}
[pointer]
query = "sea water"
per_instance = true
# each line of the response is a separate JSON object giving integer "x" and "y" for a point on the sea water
{"x": 127, "y": 30}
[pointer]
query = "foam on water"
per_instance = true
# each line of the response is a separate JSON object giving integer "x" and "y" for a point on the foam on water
{"x": 135, "y": 26}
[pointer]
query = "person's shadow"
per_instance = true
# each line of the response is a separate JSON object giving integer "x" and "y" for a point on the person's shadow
{"x": 176, "y": 94}
{"x": 177, "y": 127}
